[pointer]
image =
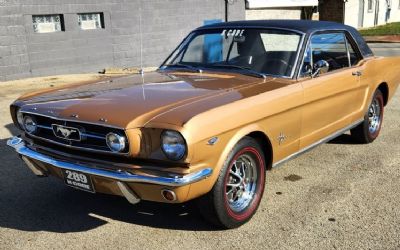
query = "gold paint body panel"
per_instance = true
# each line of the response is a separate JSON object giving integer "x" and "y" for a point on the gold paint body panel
{"x": 215, "y": 104}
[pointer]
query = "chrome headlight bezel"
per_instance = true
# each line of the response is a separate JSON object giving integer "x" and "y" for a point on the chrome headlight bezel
{"x": 30, "y": 124}
{"x": 116, "y": 142}
{"x": 173, "y": 145}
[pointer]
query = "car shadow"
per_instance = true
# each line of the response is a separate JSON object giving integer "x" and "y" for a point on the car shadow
{"x": 12, "y": 129}
{"x": 344, "y": 139}
{"x": 30, "y": 203}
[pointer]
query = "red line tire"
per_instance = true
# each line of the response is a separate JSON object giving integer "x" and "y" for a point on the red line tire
{"x": 237, "y": 192}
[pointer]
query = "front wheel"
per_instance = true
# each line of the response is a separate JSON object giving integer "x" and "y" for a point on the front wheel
{"x": 237, "y": 193}
{"x": 369, "y": 129}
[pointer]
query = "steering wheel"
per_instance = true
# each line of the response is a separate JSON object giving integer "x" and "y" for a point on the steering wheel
{"x": 241, "y": 60}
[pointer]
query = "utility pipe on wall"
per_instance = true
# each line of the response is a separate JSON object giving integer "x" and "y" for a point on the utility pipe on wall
{"x": 227, "y": 3}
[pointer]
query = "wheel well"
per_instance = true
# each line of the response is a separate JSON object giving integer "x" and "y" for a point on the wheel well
{"x": 383, "y": 87}
{"x": 266, "y": 146}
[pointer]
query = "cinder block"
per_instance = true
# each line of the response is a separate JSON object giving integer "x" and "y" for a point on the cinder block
{"x": 164, "y": 24}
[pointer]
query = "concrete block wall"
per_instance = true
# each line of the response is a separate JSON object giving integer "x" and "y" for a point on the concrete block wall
{"x": 162, "y": 24}
{"x": 14, "y": 61}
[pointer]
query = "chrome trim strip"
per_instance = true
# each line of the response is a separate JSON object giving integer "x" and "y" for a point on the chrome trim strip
{"x": 93, "y": 136}
{"x": 79, "y": 148}
{"x": 176, "y": 181}
{"x": 44, "y": 127}
{"x": 70, "y": 120}
{"x": 83, "y": 134}
{"x": 299, "y": 50}
{"x": 326, "y": 139}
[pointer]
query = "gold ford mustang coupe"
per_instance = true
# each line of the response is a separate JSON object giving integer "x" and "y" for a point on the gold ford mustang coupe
{"x": 232, "y": 101}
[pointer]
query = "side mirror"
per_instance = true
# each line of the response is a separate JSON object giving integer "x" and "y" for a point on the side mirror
{"x": 320, "y": 67}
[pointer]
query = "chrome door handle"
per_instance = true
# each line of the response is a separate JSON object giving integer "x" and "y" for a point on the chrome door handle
{"x": 356, "y": 73}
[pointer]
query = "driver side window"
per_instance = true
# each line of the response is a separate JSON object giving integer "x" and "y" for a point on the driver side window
{"x": 327, "y": 47}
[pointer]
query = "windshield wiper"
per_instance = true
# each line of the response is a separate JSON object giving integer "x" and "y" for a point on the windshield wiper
{"x": 248, "y": 70}
{"x": 186, "y": 66}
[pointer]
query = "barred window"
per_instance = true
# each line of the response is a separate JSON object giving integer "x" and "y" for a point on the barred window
{"x": 91, "y": 21}
{"x": 370, "y": 5}
{"x": 48, "y": 23}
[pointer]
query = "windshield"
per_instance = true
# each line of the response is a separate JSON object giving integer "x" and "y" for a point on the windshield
{"x": 263, "y": 51}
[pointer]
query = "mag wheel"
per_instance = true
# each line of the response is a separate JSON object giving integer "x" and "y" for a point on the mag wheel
{"x": 237, "y": 193}
{"x": 369, "y": 129}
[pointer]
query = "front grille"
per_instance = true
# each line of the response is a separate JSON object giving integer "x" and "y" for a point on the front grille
{"x": 92, "y": 137}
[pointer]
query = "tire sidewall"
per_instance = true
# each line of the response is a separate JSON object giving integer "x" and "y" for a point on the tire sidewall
{"x": 372, "y": 136}
{"x": 225, "y": 214}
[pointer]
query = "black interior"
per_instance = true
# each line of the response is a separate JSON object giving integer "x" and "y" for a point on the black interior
{"x": 336, "y": 60}
{"x": 253, "y": 54}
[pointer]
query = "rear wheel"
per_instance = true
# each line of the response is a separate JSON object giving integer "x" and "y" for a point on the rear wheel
{"x": 237, "y": 193}
{"x": 369, "y": 129}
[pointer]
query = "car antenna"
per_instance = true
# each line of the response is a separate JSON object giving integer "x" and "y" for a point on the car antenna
{"x": 141, "y": 71}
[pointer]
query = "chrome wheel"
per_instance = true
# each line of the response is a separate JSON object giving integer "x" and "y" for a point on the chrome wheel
{"x": 242, "y": 183}
{"x": 374, "y": 116}
{"x": 368, "y": 130}
{"x": 236, "y": 195}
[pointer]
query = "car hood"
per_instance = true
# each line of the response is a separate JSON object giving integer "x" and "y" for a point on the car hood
{"x": 133, "y": 101}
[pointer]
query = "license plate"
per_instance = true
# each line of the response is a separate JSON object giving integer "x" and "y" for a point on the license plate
{"x": 78, "y": 180}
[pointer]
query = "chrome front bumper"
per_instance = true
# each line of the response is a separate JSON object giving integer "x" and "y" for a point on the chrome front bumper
{"x": 119, "y": 176}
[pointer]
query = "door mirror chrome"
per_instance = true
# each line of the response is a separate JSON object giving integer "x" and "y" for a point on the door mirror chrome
{"x": 320, "y": 67}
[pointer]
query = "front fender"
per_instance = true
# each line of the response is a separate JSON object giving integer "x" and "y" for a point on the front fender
{"x": 226, "y": 142}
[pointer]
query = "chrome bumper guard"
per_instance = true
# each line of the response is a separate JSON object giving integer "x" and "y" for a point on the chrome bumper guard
{"x": 121, "y": 177}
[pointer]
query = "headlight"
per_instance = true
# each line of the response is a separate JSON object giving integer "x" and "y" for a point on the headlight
{"x": 116, "y": 142}
{"x": 30, "y": 124}
{"x": 173, "y": 145}
{"x": 20, "y": 119}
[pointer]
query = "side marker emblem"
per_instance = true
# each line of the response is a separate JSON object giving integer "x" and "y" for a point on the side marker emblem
{"x": 213, "y": 141}
{"x": 281, "y": 138}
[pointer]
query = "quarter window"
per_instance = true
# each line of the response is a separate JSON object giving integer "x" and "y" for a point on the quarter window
{"x": 91, "y": 21}
{"x": 47, "y": 23}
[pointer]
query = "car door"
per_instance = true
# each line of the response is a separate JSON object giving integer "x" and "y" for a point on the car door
{"x": 328, "y": 96}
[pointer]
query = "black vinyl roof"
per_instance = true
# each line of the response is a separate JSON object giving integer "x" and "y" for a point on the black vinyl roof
{"x": 303, "y": 26}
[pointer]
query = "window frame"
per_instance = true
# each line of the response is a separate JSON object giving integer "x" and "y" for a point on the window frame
{"x": 370, "y": 8}
{"x": 101, "y": 20}
{"x": 61, "y": 18}
{"x": 183, "y": 45}
{"x": 349, "y": 39}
